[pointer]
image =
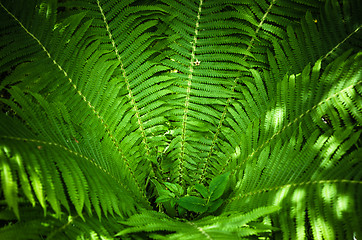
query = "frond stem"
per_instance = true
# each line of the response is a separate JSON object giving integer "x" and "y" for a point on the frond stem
{"x": 200, "y": 230}
{"x": 223, "y": 115}
{"x": 81, "y": 95}
{"x": 71, "y": 152}
{"x": 288, "y": 125}
{"x": 188, "y": 91}
{"x": 124, "y": 74}
{"x": 309, "y": 110}
{"x": 339, "y": 44}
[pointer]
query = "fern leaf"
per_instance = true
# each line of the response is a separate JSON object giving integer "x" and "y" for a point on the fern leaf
{"x": 229, "y": 119}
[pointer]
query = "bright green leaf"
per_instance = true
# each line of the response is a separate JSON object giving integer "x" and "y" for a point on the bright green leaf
{"x": 175, "y": 188}
{"x": 181, "y": 210}
{"x": 213, "y": 206}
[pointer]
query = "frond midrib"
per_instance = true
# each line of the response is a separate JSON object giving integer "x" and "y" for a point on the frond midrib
{"x": 235, "y": 82}
{"x": 341, "y": 42}
{"x": 188, "y": 92}
{"x": 296, "y": 120}
{"x": 124, "y": 74}
{"x": 37, "y": 141}
{"x": 83, "y": 97}
{"x": 223, "y": 168}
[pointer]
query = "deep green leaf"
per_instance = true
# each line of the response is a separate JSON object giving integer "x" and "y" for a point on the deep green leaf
{"x": 218, "y": 185}
{"x": 202, "y": 190}
{"x": 192, "y": 203}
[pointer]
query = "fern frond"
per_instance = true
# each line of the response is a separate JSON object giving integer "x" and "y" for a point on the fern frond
{"x": 201, "y": 62}
{"x": 99, "y": 68}
{"x": 270, "y": 23}
{"x": 229, "y": 119}
{"x": 323, "y": 155}
{"x": 314, "y": 40}
{"x": 35, "y": 226}
{"x": 230, "y": 226}
{"x": 62, "y": 154}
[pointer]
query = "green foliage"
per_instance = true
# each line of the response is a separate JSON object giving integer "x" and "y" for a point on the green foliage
{"x": 230, "y": 226}
{"x": 208, "y": 200}
{"x": 179, "y": 119}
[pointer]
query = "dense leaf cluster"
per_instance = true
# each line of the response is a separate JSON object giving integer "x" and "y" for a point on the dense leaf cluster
{"x": 180, "y": 119}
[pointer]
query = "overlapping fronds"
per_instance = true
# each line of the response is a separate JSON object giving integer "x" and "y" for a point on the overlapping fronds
{"x": 36, "y": 226}
{"x": 57, "y": 165}
{"x": 309, "y": 138}
{"x": 74, "y": 65}
{"x": 239, "y": 109}
{"x": 315, "y": 39}
{"x": 204, "y": 59}
{"x": 229, "y": 226}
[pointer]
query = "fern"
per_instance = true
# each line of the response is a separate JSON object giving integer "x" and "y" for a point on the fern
{"x": 178, "y": 119}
